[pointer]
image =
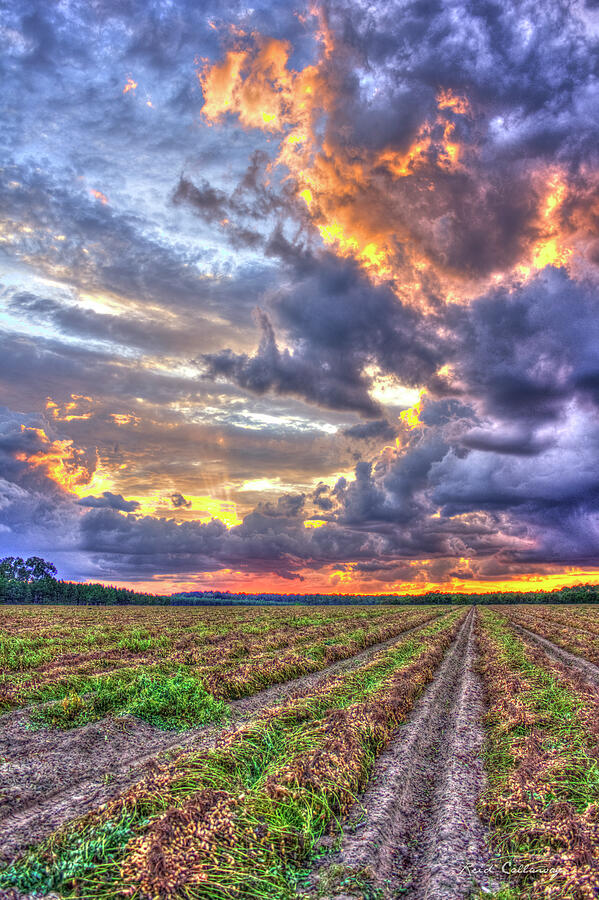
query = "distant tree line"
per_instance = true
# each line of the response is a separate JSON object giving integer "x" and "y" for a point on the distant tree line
{"x": 580, "y": 593}
{"x": 33, "y": 580}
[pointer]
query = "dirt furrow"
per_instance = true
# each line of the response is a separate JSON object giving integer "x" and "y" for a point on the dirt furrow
{"x": 53, "y": 776}
{"x": 588, "y": 669}
{"x": 415, "y": 832}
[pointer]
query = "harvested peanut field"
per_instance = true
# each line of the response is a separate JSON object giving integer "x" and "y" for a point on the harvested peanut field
{"x": 366, "y": 752}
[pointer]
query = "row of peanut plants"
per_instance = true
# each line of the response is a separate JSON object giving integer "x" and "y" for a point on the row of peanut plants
{"x": 185, "y": 684}
{"x": 61, "y": 639}
{"x": 576, "y": 630}
{"x": 241, "y": 820}
{"x": 542, "y": 761}
{"x": 41, "y": 638}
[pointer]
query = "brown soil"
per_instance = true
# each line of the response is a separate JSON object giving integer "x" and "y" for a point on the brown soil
{"x": 51, "y": 776}
{"x": 588, "y": 669}
{"x": 415, "y": 832}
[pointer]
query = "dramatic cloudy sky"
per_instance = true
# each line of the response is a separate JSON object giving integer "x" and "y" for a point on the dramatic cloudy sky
{"x": 301, "y": 297}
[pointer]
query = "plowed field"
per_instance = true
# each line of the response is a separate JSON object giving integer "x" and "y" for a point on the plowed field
{"x": 420, "y": 752}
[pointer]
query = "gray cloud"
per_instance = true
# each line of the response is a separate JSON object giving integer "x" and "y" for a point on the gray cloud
{"x": 108, "y": 500}
{"x": 379, "y": 429}
{"x": 179, "y": 501}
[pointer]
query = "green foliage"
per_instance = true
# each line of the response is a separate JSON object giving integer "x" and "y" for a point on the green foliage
{"x": 139, "y": 641}
{"x": 29, "y": 570}
{"x": 82, "y": 854}
{"x": 20, "y": 653}
{"x": 169, "y": 701}
{"x": 48, "y": 590}
{"x": 558, "y": 708}
{"x": 337, "y": 879}
{"x": 179, "y": 701}
{"x": 543, "y": 776}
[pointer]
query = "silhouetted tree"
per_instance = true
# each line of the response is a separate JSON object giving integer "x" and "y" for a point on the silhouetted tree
{"x": 34, "y": 568}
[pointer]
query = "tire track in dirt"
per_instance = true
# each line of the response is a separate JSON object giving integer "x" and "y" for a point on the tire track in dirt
{"x": 415, "y": 832}
{"x": 89, "y": 765}
{"x": 586, "y": 668}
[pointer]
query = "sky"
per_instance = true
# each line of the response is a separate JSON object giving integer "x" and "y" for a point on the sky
{"x": 301, "y": 298}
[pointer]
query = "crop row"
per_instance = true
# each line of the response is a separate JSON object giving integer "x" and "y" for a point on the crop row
{"x": 583, "y": 617}
{"x": 91, "y": 622}
{"x": 179, "y": 689}
{"x": 241, "y": 819}
{"x": 542, "y": 758}
{"x": 71, "y": 642}
{"x": 63, "y": 641}
{"x": 576, "y": 631}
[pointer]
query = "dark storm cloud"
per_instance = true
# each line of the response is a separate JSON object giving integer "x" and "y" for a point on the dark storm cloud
{"x": 391, "y": 492}
{"x": 526, "y": 352}
{"x": 517, "y": 460}
{"x": 532, "y": 87}
{"x": 248, "y": 213}
{"x": 34, "y": 369}
{"x": 179, "y": 501}
{"x": 512, "y": 94}
{"x": 26, "y": 441}
{"x": 500, "y": 54}
{"x": 188, "y": 546}
{"x": 523, "y": 363}
{"x": 549, "y": 501}
{"x": 301, "y": 374}
{"x": 319, "y": 498}
{"x": 271, "y": 540}
{"x": 36, "y": 514}
{"x": 289, "y": 506}
{"x": 108, "y": 500}
{"x": 207, "y": 201}
{"x": 14, "y": 438}
{"x": 338, "y": 323}
{"x": 336, "y": 310}
{"x": 518, "y": 441}
{"x": 380, "y": 429}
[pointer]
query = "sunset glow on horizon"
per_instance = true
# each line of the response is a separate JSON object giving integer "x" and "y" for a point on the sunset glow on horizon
{"x": 302, "y": 299}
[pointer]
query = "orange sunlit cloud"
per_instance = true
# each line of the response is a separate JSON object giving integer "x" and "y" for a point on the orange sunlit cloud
{"x": 60, "y": 461}
{"x": 552, "y": 247}
{"x": 411, "y": 417}
{"x": 99, "y": 195}
{"x": 199, "y": 508}
{"x": 131, "y": 85}
{"x": 256, "y": 84}
{"x": 347, "y": 191}
{"x": 78, "y": 407}
{"x": 449, "y": 100}
{"x": 123, "y": 419}
{"x": 334, "y": 580}
{"x": 83, "y": 474}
